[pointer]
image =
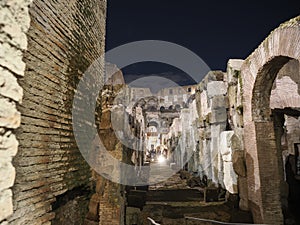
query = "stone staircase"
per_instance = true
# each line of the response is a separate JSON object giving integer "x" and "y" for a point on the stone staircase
{"x": 175, "y": 214}
{"x": 169, "y": 202}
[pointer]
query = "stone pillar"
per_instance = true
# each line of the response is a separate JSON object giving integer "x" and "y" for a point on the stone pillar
{"x": 269, "y": 180}
{"x": 216, "y": 92}
{"x": 235, "y": 89}
{"x": 230, "y": 177}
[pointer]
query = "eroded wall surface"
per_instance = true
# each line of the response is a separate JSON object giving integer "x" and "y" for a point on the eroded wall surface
{"x": 63, "y": 40}
{"x": 14, "y": 23}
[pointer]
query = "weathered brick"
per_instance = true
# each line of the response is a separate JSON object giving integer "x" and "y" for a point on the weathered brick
{"x": 61, "y": 44}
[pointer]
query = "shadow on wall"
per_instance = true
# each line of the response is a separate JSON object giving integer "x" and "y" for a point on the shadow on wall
{"x": 253, "y": 204}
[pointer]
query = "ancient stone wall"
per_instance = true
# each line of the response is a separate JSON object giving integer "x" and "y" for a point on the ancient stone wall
{"x": 234, "y": 165}
{"x": 107, "y": 203}
{"x": 184, "y": 130}
{"x": 212, "y": 104}
{"x": 14, "y": 23}
{"x": 210, "y": 132}
{"x": 111, "y": 202}
{"x": 64, "y": 39}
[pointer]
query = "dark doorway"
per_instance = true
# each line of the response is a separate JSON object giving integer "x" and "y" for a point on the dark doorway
{"x": 290, "y": 185}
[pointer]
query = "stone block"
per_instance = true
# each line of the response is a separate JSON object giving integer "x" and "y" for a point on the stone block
{"x": 205, "y": 158}
{"x": 225, "y": 145}
{"x": 232, "y": 92}
{"x": 9, "y": 86}
{"x": 216, "y": 75}
{"x": 230, "y": 178}
{"x": 11, "y": 58}
{"x": 214, "y": 153}
{"x": 218, "y": 115}
{"x": 8, "y": 145}
{"x": 215, "y": 130}
{"x": 9, "y": 116}
{"x": 218, "y": 102}
{"x": 6, "y": 205}
{"x": 203, "y": 104}
{"x": 235, "y": 64}
{"x": 233, "y": 70}
{"x": 8, "y": 174}
{"x": 215, "y": 88}
{"x": 237, "y": 139}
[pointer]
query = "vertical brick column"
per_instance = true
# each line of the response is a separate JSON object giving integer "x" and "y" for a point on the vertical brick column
{"x": 110, "y": 207}
{"x": 269, "y": 172}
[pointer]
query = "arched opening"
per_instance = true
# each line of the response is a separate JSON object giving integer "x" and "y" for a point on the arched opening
{"x": 272, "y": 109}
{"x": 264, "y": 119}
{"x": 285, "y": 105}
{"x": 153, "y": 124}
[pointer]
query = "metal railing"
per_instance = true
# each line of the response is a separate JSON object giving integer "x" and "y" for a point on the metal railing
{"x": 152, "y": 222}
{"x": 213, "y": 222}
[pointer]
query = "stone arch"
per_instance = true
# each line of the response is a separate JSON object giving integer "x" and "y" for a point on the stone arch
{"x": 151, "y": 104}
{"x": 263, "y": 163}
{"x": 153, "y": 123}
{"x": 141, "y": 102}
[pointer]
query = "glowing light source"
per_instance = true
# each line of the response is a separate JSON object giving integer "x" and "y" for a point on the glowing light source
{"x": 161, "y": 159}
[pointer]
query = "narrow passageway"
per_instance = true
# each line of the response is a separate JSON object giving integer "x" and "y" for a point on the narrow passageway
{"x": 171, "y": 201}
{"x": 159, "y": 171}
{"x": 173, "y": 182}
{"x": 84, "y": 142}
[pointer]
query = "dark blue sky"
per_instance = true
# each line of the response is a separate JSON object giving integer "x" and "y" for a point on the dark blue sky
{"x": 215, "y": 30}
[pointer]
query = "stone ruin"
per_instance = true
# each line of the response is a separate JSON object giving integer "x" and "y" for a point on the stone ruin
{"x": 241, "y": 127}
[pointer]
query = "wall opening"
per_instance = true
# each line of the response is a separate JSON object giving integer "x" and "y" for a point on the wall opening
{"x": 270, "y": 109}
{"x": 285, "y": 122}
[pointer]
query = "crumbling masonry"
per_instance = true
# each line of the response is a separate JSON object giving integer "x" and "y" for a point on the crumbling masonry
{"x": 242, "y": 126}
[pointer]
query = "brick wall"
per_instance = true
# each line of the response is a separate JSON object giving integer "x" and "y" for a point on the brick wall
{"x": 110, "y": 207}
{"x": 64, "y": 38}
{"x": 258, "y": 72}
{"x": 14, "y": 23}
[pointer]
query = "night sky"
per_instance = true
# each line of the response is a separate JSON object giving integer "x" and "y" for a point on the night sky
{"x": 214, "y": 30}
